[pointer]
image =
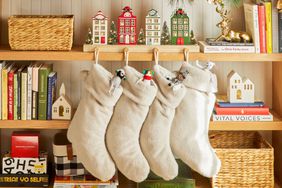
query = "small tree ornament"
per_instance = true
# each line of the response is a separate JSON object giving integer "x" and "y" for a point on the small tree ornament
{"x": 193, "y": 38}
{"x": 141, "y": 37}
{"x": 89, "y": 37}
{"x": 113, "y": 34}
{"x": 165, "y": 37}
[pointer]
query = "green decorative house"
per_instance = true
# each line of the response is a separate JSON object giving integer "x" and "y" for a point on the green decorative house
{"x": 180, "y": 28}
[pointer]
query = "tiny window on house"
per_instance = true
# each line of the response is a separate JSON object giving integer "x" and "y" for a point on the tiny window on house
{"x": 103, "y": 28}
{"x": 156, "y": 20}
{"x": 121, "y": 22}
{"x": 55, "y": 109}
{"x": 127, "y": 30}
{"x": 102, "y": 21}
{"x": 156, "y": 27}
{"x": 185, "y": 20}
{"x": 121, "y": 30}
{"x": 132, "y": 30}
{"x": 103, "y": 33}
{"x": 121, "y": 38}
{"x": 185, "y": 27}
{"x": 149, "y": 33}
{"x": 174, "y": 27}
{"x": 132, "y": 39}
{"x": 245, "y": 87}
{"x": 239, "y": 81}
{"x": 96, "y": 21}
{"x": 127, "y": 22}
{"x": 174, "y": 33}
{"x": 186, "y": 34}
{"x": 180, "y": 34}
{"x": 67, "y": 110}
{"x": 96, "y": 28}
{"x": 248, "y": 87}
{"x": 96, "y": 39}
{"x": 180, "y": 21}
{"x": 235, "y": 81}
{"x": 174, "y": 21}
{"x": 156, "y": 40}
{"x": 132, "y": 22}
{"x": 96, "y": 33}
{"x": 251, "y": 87}
{"x": 149, "y": 27}
{"x": 156, "y": 33}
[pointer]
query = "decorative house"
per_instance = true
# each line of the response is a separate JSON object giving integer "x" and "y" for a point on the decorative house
{"x": 180, "y": 28}
{"x": 153, "y": 28}
{"x": 62, "y": 107}
{"x": 127, "y": 27}
{"x": 100, "y": 28}
{"x": 240, "y": 90}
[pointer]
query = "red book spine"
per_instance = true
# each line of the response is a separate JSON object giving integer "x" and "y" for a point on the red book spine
{"x": 242, "y": 111}
{"x": 262, "y": 28}
{"x": 10, "y": 96}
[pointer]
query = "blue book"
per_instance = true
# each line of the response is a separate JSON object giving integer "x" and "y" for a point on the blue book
{"x": 51, "y": 95}
{"x": 236, "y": 105}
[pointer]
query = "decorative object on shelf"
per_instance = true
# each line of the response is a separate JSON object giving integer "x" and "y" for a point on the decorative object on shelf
{"x": 112, "y": 38}
{"x": 148, "y": 76}
{"x": 193, "y": 38}
{"x": 141, "y": 37}
{"x": 153, "y": 28}
{"x": 65, "y": 158}
{"x": 195, "y": 109}
{"x": 165, "y": 37}
{"x": 32, "y": 32}
{"x": 240, "y": 90}
{"x": 88, "y": 127}
{"x": 127, "y": 27}
{"x": 116, "y": 80}
{"x": 100, "y": 28}
{"x": 62, "y": 107}
{"x": 180, "y": 34}
{"x": 89, "y": 38}
{"x": 279, "y": 4}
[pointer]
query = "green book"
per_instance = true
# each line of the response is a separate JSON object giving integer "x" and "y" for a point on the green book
{"x": 15, "y": 96}
{"x": 43, "y": 90}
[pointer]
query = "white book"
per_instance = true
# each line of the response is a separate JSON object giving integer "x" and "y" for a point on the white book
{"x": 225, "y": 49}
{"x": 242, "y": 117}
{"x": 252, "y": 23}
{"x": 24, "y": 95}
{"x": 29, "y": 92}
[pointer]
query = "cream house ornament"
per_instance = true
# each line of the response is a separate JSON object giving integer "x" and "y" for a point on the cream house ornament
{"x": 240, "y": 90}
{"x": 62, "y": 107}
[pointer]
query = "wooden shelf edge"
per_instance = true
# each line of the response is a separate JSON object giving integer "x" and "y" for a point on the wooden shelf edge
{"x": 34, "y": 124}
{"x": 77, "y": 54}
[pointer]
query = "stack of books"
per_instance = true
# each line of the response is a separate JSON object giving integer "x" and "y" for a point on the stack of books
{"x": 83, "y": 181}
{"x": 27, "y": 92}
{"x": 257, "y": 111}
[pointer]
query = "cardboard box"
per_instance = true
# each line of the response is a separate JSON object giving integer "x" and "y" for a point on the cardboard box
{"x": 24, "y": 165}
{"x": 25, "y": 144}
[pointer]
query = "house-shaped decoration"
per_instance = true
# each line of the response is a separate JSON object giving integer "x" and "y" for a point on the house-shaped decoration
{"x": 240, "y": 90}
{"x": 62, "y": 107}
{"x": 127, "y": 27}
{"x": 153, "y": 28}
{"x": 180, "y": 28}
{"x": 100, "y": 28}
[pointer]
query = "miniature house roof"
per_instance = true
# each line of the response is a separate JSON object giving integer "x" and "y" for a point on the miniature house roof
{"x": 233, "y": 74}
{"x": 153, "y": 13}
{"x": 127, "y": 13}
{"x": 62, "y": 99}
{"x": 180, "y": 13}
{"x": 100, "y": 16}
{"x": 247, "y": 81}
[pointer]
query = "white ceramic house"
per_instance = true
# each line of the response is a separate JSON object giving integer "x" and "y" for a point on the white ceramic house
{"x": 62, "y": 107}
{"x": 100, "y": 28}
{"x": 240, "y": 90}
{"x": 153, "y": 28}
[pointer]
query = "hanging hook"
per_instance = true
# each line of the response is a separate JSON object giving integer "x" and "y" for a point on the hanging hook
{"x": 96, "y": 53}
{"x": 126, "y": 56}
{"x": 156, "y": 55}
{"x": 186, "y": 55}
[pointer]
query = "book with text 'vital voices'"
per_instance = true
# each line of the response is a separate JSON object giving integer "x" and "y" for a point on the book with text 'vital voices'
{"x": 268, "y": 117}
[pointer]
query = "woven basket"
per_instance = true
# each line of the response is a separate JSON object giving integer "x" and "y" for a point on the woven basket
{"x": 247, "y": 160}
{"x": 41, "y": 32}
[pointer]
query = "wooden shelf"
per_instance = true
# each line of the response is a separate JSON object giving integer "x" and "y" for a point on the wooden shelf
{"x": 77, "y": 54}
{"x": 34, "y": 124}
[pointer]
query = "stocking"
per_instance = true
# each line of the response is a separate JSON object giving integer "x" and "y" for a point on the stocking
{"x": 155, "y": 134}
{"x": 124, "y": 128}
{"x": 189, "y": 133}
{"x": 89, "y": 124}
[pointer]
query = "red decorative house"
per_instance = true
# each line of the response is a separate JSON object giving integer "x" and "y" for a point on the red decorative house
{"x": 127, "y": 27}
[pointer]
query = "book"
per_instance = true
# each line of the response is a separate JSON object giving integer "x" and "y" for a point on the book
{"x": 2, "y": 64}
{"x": 268, "y": 22}
{"x": 5, "y": 71}
{"x": 29, "y": 92}
{"x": 15, "y": 96}
{"x": 262, "y": 29}
{"x": 19, "y": 76}
{"x": 225, "y": 49}
{"x": 35, "y": 71}
{"x": 242, "y": 110}
{"x": 216, "y": 117}
{"x": 275, "y": 28}
{"x": 24, "y": 94}
{"x": 52, "y": 85}
{"x": 43, "y": 89}
{"x": 232, "y": 105}
{"x": 252, "y": 25}
{"x": 212, "y": 42}
{"x": 11, "y": 93}
{"x": 280, "y": 30}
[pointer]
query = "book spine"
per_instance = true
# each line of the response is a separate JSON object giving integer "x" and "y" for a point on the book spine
{"x": 24, "y": 96}
{"x": 242, "y": 117}
{"x": 15, "y": 96}
{"x": 262, "y": 31}
{"x": 34, "y": 105}
{"x": 29, "y": 92}
{"x": 236, "y": 105}
{"x": 10, "y": 96}
{"x": 19, "y": 96}
{"x": 49, "y": 102}
{"x": 280, "y": 30}
{"x": 268, "y": 19}
{"x": 42, "y": 94}
{"x": 1, "y": 66}
{"x": 228, "y": 49}
{"x": 241, "y": 111}
{"x": 275, "y": 30}
{"x": 256, "y": 29}
{"x": 4, "y": 94}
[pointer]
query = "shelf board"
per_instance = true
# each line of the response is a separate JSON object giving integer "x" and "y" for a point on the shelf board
{"x": 77, "y": 54}
{"x": 34, "y": 124}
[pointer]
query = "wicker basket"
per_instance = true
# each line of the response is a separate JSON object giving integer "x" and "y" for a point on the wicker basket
{"x": 41, "y": 32}
{"x": 247, "y": 160}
